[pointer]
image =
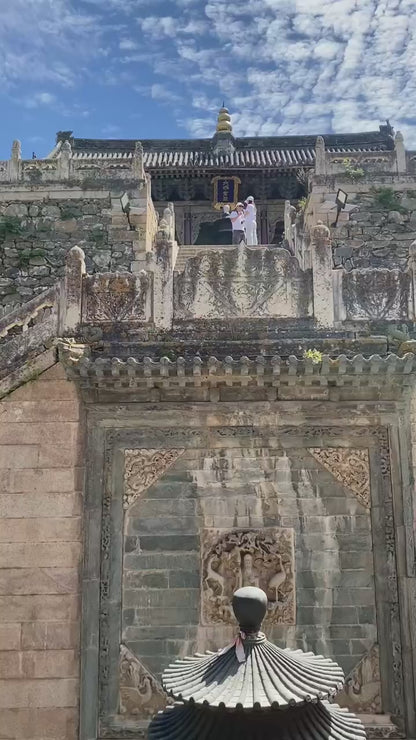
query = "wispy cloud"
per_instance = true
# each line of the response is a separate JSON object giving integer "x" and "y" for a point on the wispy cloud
{"x": 39, "y": 98}
{"x": 282, "y": 66}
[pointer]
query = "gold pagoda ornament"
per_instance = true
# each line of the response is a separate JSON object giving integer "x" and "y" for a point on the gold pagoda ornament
{"x": 224, "y": 125}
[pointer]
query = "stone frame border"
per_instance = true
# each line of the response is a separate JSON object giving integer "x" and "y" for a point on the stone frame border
{"x": 391, "y": 516}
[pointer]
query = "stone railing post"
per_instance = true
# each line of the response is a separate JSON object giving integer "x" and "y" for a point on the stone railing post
{"x": 162, "y": 263}
{"x": 15, "y": 162}
{"x": 323, "y": 294}
{"x": 64, "y": 161}
{"x": 137, "y": 162}
{"x": 289, "y": 221}
{"x": 400, "y": 150}
{"x": 71, "y": 295}
{"x": 320, "y": 157}
{"x": 411, "y": 266}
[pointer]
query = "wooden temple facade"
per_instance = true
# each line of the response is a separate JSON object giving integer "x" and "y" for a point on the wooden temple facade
{"x": 272, "y": 169}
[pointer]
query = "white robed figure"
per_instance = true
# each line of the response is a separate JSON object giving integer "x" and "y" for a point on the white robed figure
{"x": 250, "y": 221}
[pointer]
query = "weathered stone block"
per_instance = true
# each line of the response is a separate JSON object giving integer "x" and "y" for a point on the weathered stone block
{"x": 10, "y": 635}
{"x": 24, "y": 693}
{"x": 167, "y": 616}
{"x": 34, "y": 607}
{"x": 169, "y": 542}
{"x": 39, "y": 505}
{"x": 356, "y": 596}
{"x": 166, "y": 490}
{"x": 49, "y": 664}
{"x": 17, "y": 210}
{"x": 60, "y": 457}
{"x": 158, "y": 525}
{"x": 157, "y": 599}
{"x": 56, "y": 433}
{"x": 183, "y": 579}
{"x": 39, "y": 410}
{"x": 68, "y": 226}
{"x": 10, "y": 665}
{"x": 40, "y": 724}
{"x": 161, "y": 561}
{"x": 50, "y": 529}
{"x": 51, "y": 635}
{"x": 39, "y": 554}
{"x": 156, "y": 579}
{"x": 366, "y": 614}
{"x": 19, "y": 456}
{"x": 42, "y": 480}
{"x": 39, "y": 580}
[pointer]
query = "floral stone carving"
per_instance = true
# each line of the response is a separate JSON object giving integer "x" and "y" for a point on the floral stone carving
{"x": 116, "y": 297}
{"x": 362, "y": 691}
{"x": 142, "y": 468}
{"x": 141, "y": 695}
{"x": 350, "y": 467}
{"x": 263, "y": 558}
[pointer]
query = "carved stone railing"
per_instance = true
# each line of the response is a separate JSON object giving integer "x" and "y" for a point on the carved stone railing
{"x": 28, "y": 330}
{"x": 37, "y": 311}
{"x": 64, "y": 166}
{"x": 373, "y": 294}
{"x": 242, "y": 283}
{"x": 392, "y": 161}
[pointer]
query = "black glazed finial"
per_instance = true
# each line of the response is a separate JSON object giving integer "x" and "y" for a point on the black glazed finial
{"x": 250, "y": 606}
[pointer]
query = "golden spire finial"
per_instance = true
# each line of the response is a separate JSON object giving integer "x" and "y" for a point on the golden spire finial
{"x": 224, "y": 121}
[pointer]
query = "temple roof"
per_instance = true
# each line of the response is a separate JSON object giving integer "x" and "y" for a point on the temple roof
{"x": 273, "y": 152}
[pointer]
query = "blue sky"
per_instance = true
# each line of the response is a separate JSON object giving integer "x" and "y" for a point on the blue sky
{"x": 161, "y": 68}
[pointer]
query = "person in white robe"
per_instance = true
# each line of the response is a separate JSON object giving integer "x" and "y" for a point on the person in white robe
{"x": 250, "y": 221}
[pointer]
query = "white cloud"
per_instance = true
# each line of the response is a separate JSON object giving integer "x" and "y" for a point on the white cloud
{"x": 38, "y": 99}
{"x": 283, "y": 66}
{"x": 127, "y": 45}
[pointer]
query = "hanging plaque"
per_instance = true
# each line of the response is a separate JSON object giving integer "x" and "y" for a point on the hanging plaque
{"x": 225, "y": 191}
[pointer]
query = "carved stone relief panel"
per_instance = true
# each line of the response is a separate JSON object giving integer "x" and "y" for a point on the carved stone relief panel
{"x": 350, "y": 467}
{"x": 263, "y": 558}
{"x": 141, "y": 695}
{"x": 142, "y": 468}
{"x": 242, "y": 283}
{"x": 116, "y": 297}
{"x": 376, "y": 294}
{"x": 362, "y": 692}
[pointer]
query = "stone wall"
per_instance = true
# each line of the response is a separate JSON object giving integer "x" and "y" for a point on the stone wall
{"x": 199, "y": 500}
{"x": 188, "y": 534}
{"x": 41, "y": 480}
{"x": 381, "y": 228}
{"x": 38, "y": 228}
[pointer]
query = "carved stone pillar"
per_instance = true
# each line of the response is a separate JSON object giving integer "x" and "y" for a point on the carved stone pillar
{"x": 320, "y": 156}
{"x": 162, "y": 265}
{"x": 64, "y": 160}
{"x": 15, "y": 162}
{"x": 400, "y": 153}
{"x": 71, "y": 297}
{"x": 323, "y": 294}
{"x": 412, "y": 271}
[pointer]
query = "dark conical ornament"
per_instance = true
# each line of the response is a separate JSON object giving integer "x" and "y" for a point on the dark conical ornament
{"x": 320, "y": 721}
{"x": 252, "y": 672}
{"x": 222, "y": 692}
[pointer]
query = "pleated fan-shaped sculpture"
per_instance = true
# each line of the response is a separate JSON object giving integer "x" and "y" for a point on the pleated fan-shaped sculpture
{"x": 253, "y": 690}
